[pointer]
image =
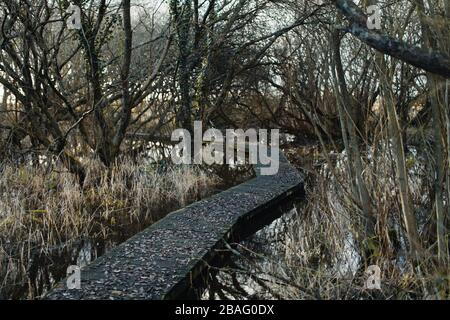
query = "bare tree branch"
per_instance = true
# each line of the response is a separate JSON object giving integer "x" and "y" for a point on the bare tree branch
{"x": 434, "y": 62}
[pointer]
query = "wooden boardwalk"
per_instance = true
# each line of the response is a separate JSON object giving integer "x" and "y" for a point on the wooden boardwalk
{"x": 166, "y": 259}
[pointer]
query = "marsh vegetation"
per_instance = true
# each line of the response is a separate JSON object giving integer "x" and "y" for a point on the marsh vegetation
{"x": 367, "y": 111}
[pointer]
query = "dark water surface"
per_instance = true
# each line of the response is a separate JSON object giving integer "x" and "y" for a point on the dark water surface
{"x": 246, "y": 273}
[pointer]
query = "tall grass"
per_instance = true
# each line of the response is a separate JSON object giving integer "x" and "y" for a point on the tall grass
{"x": 45, "y": 214}
{"x": 317, "y": 250}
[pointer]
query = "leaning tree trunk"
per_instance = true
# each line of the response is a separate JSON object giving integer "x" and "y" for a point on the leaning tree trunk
{"x": 346, "y": 112}
{"x": 395, "y": 133}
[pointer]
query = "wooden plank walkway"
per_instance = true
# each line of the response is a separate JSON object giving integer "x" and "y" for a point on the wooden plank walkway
{"x": 164, "y": 260}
